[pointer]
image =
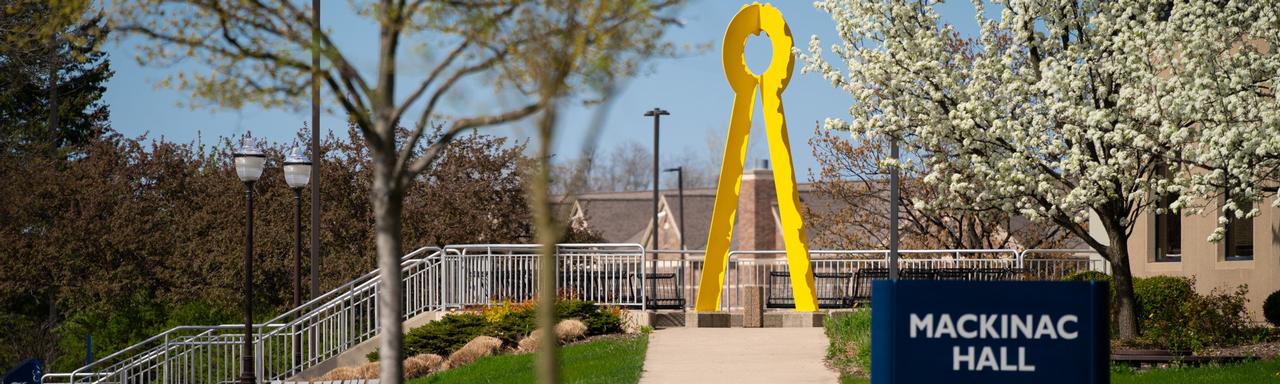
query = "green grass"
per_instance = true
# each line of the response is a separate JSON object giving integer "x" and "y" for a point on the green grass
{"x": 848, "y": 351}
{"x": 1257, "y": 371}
{"x": 610, "y": 360}
{"x": 849, "y": 334}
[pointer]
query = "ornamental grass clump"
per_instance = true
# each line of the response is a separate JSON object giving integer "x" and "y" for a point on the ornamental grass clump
{"x": 422, "y": 365}
{"x": 481, "y": 346}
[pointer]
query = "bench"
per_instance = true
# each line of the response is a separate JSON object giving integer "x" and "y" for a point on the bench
{"x": 832, "y": 290}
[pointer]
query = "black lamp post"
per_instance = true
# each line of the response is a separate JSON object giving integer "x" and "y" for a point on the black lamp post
{"x": 249, "y": 161}
{"x": 657, "y": 114}
{"x": 297, "y": 172}
{"x": 893, "y": 210}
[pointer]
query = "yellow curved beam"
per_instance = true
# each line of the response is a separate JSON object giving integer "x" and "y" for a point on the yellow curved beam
{"x": 752, "y": 20}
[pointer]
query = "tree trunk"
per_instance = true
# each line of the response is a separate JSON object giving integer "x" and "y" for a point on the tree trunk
{"x": 1122, "y": 278}
{"x": 547, "y": 363}
{"x": 387, "y": 202}
{"x": 53, "y": 86}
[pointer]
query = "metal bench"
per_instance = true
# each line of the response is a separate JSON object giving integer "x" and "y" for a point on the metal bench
{"x": 832, "y": 290}
{"x": 664, "y": 291}
{"x": 953, "y": 273}
{"x": 992, "y": 274}
{"x": 862, "y": 282}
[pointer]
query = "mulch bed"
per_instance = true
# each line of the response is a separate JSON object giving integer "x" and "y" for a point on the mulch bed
{"x": 1266, "y": 351}
{"x": 1157, "y": 357}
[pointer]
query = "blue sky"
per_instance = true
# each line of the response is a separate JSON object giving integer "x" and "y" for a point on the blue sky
{"x": 692, "y": 87}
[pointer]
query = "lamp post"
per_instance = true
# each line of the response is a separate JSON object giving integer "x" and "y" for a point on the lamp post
{"x": 249, "y": 161}
{"x": 893, "y": 210}
{"x": 297, "y": 172}
{"x": 657, "y": 114}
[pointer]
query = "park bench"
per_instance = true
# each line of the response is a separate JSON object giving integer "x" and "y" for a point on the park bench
{"x": 666, "y": 292}
{"x": 832, "y": 289}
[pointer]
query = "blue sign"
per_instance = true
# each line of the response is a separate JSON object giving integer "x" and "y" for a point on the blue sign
{"x": 29, "y": 372}
{"x": 989, "y": 332}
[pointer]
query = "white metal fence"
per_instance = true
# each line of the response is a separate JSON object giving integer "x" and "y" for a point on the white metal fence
{"x": 478, "y": 275}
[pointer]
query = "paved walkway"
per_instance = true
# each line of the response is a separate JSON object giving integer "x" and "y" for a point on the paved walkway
{"x": 737, "y": 355}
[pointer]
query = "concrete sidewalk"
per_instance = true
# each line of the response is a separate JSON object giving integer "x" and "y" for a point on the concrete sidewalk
{"x": 737, "y": 355}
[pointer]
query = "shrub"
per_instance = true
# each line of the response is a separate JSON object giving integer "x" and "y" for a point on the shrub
{"x": 446, "y": 335}
{"x": 422, "y": 365}
{"x": 481, "y": 346}
{"x": 1219, "y": 317}
{"x": 570, "y": 329}
{"x": 529, "y": 343}
{"x": 1159, "y": 302}
{"x": 1088, "y": 276}
{"x": 370, "y": 370}
{"x": 599, "y": 321}
{"x": 510, "y": 325}
{"x": 342, "y": 373}
{"x": 1271, "y": 308}
{"x": 508, "y": 322}
{"x": 1172, "y": 315}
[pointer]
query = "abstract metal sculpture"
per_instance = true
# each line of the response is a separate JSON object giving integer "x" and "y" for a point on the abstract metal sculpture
{"x": 752, "y": 20}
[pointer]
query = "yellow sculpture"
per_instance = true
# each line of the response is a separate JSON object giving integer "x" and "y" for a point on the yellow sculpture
{"x": 752, "y": 20}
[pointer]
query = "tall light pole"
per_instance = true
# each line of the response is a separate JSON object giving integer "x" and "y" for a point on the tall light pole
{"x": 297, "y": 172}
{"x": 249, "y": 161}
{"x": 893, "y": 210}
{"x": 657, "y": 114}
{"x": 315, "y": 148}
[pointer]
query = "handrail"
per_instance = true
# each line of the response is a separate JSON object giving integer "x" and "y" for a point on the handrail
{"x": 325, "y": 298}
{"x": 458, "y": 276}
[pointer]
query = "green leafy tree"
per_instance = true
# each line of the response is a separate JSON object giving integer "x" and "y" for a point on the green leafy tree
{"x": 52, "y": 75}
{"x": 130, "y": 238}
{"x": 535, "y": 51}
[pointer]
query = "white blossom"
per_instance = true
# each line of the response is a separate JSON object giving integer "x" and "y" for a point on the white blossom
{"x": 1059, "y": 107}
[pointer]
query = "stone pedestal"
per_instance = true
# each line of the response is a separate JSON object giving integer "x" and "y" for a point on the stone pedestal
{"x": 707, "y": 319}
{"x": 793, "y": 319}
{"x": 753, "y": 303}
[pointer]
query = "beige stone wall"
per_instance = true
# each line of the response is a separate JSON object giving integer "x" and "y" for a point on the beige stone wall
{"x": 1204, "y": 260}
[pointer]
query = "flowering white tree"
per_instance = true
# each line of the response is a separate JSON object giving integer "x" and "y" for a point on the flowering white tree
{"x": 1062, "y": 107}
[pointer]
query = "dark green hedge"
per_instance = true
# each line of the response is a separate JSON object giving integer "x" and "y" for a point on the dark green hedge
{"x": 510, "y": 323}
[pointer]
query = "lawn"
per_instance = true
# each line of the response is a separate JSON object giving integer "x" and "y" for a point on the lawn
{"x": 848, "y": 334}
{"x": 1257, "y": 371}
{"x": 607, "y": 360}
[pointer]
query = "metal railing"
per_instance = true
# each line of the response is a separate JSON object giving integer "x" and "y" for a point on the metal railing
{"x": 752, "y": 268}
{"x": 283, "y": 346}
{"x": 465, "y": 276}
{"x": 433, "y": 280}
{"x": 607, "y": 274}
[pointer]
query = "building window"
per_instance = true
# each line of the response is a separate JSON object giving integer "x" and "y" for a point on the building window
{"x": 1239, "y": 239}
{"x": 1168, "y": 232}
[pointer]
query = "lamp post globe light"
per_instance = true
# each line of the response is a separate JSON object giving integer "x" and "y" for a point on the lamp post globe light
{"x": 297, "y": 172}
{"x": 249, "y": 161}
